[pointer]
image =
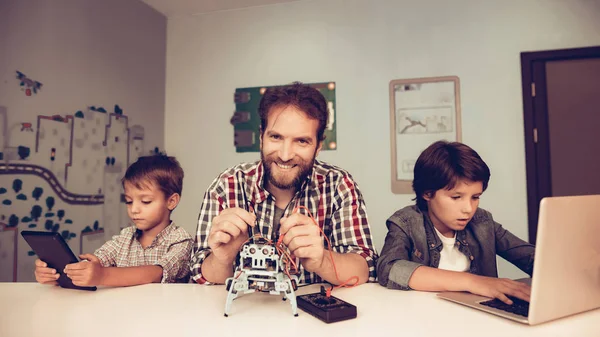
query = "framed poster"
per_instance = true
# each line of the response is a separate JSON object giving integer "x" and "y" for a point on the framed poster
{"x": 422, "y": 111}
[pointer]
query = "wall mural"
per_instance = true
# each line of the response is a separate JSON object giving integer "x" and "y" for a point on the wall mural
{"x": 27, "y": 84}
{"x": 63, "y": 174}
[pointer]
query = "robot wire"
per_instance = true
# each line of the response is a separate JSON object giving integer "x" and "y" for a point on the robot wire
{"x": 250, "y": 209}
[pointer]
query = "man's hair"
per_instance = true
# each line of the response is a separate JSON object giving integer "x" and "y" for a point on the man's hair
{"x": 165, "y": 172}
{"x": 442, "y": 165}
{"x": 301, "y": 96}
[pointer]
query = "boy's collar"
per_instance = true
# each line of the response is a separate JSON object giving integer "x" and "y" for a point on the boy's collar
{"x": 433, "y": 241}
{"x": 138, "y": 233}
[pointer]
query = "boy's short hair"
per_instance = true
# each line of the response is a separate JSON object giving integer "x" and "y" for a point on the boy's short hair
{"x": 442, "y": 165}
{"x": 299, "y": 95}
{"x": 165, "y": 172}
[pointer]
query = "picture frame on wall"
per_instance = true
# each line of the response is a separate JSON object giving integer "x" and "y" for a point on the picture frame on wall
{"x": 422, "y": 111}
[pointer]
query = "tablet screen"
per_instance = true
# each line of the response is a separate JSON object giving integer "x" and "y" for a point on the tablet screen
{"x": 51, "y": 248}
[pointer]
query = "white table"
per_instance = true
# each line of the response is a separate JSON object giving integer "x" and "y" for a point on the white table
{"x": 30, "y": 309}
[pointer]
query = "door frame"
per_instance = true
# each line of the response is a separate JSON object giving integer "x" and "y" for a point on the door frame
{"x": 535, "y": 116}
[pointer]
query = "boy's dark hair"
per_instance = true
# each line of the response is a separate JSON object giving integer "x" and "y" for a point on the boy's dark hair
{"x": 442, "y": 165}
{"x": 301, "y": 96}
{"x": 163, "y": 171}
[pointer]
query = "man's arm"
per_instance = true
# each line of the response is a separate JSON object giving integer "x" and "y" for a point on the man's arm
{"x": 228, "y": 232}
{"x": 302, "y": 236}
{"x": 216, "y": 272}
{"x": 222, "y": 229}
{"x": 211, "y": 207}
{"x": 347, "y": 265}
{"x": 351, "y": 242}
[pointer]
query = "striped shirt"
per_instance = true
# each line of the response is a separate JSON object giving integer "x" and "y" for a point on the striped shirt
{"x": 169, "y": 250}
{"x": 329, "y": 192}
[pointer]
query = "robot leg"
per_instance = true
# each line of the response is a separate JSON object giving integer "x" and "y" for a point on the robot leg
{"x": 231, "y": 294}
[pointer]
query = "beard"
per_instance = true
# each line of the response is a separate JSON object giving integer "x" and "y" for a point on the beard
{"x": 286, "y": 181}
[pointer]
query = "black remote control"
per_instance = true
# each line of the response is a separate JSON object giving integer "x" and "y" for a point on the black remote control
{"x": 328, "y": 309}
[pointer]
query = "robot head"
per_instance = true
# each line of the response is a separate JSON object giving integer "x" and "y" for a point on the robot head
{"x": 262, "y": 256}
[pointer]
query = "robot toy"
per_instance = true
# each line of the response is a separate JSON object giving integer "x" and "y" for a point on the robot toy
{"x": 262, "y": 267}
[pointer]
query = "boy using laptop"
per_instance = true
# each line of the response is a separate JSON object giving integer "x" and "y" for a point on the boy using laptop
{"x": 152, "y": 250}
{"x": 445, "y": 242}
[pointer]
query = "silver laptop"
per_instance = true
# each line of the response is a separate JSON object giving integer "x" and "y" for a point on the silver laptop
{"x": 566, "y": 273}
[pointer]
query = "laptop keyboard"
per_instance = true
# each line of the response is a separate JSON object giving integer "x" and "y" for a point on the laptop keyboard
{"x": 518, "y": 307}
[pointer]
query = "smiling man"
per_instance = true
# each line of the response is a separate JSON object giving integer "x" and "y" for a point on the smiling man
{"x": 277, "y": 196}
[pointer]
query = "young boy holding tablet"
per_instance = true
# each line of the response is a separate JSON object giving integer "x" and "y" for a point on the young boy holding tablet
{"x": 152, "y": 250}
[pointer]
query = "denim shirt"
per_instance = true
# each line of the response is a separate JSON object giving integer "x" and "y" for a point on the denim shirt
{"x": 411, "y": 242}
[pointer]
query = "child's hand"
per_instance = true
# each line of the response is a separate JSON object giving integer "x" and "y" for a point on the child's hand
{"x": 86, "y": 273}
{"x": 45, "y": 275}
{"x": 499, "y": 288}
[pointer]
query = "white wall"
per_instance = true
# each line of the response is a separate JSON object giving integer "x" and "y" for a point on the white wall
{"x": 85, "y": 53}
{"x": 362, "y": 45}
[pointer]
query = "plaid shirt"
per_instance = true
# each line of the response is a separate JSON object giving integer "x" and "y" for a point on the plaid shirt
{"x": 170, "y": 250}
{"x": 329, "y": 193}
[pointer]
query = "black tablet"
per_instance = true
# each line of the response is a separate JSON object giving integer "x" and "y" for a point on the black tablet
{"x": 51, "y": 248}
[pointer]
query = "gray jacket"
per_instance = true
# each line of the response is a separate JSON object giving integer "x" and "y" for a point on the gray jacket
{"x": 412, "y": 242}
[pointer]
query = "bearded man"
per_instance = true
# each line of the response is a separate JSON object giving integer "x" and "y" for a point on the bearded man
{"x": 264, "y": 198}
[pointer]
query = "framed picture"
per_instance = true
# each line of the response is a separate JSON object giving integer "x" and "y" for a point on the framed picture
{"x": 422, "y": 111}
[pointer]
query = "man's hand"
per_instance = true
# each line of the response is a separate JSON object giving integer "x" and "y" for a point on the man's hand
{"x": 228, "y": 232}
{"x": 86, "y": 273}
{"x": 303, "y": 239}
{"x": 45, "y": 275}
{"x": 499, "y": 288}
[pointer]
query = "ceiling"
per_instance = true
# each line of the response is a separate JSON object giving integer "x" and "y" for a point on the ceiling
{"x": 172, "y": 8}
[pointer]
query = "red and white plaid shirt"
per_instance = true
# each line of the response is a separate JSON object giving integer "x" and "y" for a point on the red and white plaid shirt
{"x": 329, "y": 193}
{"x": 170, "y": 250}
